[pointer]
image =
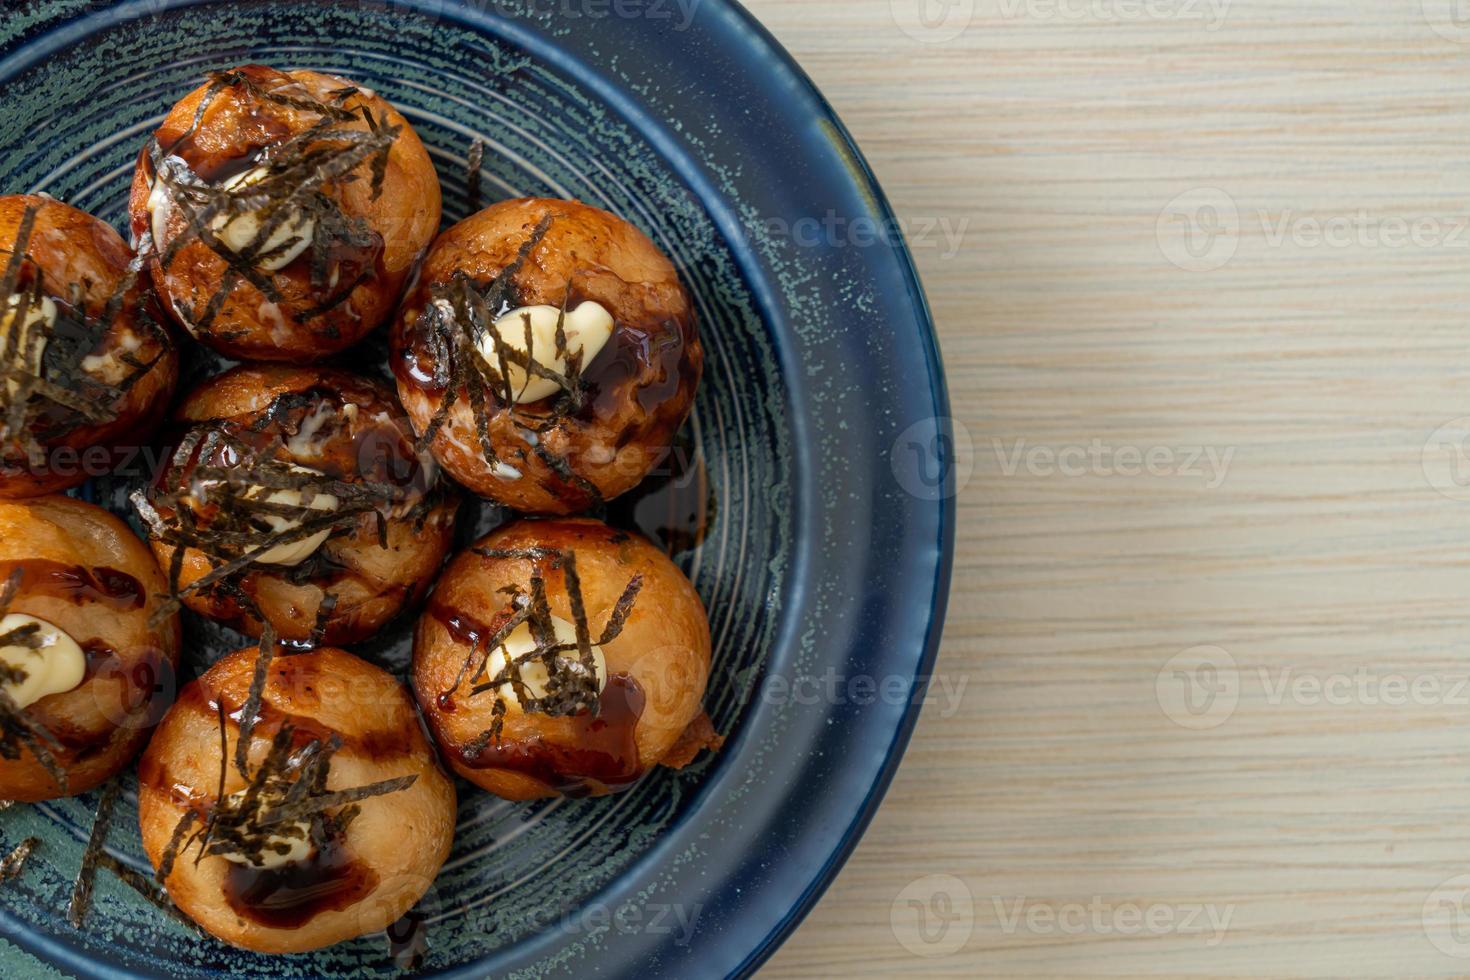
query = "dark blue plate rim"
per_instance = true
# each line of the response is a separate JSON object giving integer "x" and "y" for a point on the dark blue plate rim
{"x": 852, "y": 836}
{"x": 806, "y": 104}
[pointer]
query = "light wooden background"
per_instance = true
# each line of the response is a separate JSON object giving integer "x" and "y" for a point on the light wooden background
{"x": 1328, "y": 799}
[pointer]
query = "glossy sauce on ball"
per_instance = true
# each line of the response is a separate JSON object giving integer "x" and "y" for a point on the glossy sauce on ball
{"x": 329, "y": 429}
{"x": 616, "y": 418}
{"x": 72, "y": 566}
{"x": 86, "y": 366}
{"x": 653, "y": 670}
{"x": 337, "y": 172}
{"x": 345, "y": 881}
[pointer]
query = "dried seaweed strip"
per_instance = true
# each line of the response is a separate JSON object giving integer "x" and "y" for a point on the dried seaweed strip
{"x": 317, "y": 803}
{"x": 291, "y": 177}
{"x": 150, "y": 892}
{"x": 14, "y": 862}
{"x": 624, "y": 607}
{"x": 11, "y": 587}
{"x": 19, "y": 731}
{"x": 81, "y": 896}
{"x": 324, "y": 612}
{"x": 572, "y": 685}
{"x": 17, "y": 259}
{"x": 450, "y": 339}
{"x": 253, "y": 699}
{"x": 175, "y": 841}
{"x": 521, "y": 615}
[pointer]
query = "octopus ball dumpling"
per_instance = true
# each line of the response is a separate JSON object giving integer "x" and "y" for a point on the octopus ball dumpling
{"x": 551, "y": 351}
{"x": 296, "y": 498}
{"x": 85, "y": 363}
{"x": 563, "y": 658}
{"x": 87, "y": 656}
{"x": 283, "y": 212}
{"x": 335, "y": 818}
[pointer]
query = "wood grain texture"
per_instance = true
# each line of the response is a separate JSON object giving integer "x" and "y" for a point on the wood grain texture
{"x": 1299, "y": 312}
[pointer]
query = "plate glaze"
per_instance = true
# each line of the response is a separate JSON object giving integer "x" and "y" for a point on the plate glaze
{"x": 826, "y": 541}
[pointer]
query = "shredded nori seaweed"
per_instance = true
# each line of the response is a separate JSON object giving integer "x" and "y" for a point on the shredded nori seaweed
{"x": 290, "y": 187}
{"x": 227, "y": 471}
{"x": 572, "y": 687}
{"x": 81, "y": 895}
{"x": 457, "y": 326}
{"x": 14, "y": 862}
{"x": 96, "y": 856}
{"x": 285, "y": 799}
{"x": 45, "y": 398}
{"x": 18, "y": 729}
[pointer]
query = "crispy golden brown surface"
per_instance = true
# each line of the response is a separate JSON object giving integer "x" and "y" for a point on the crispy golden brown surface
{"x": 633, "y": 395}
{"x": 350, "y": 429}
{"x": 66, "y": 437}
{"x": 656, "y": 667}
{"x": 83, "y": 570}
{"x": 360, "y": 882}
{"x": 288, "y": 319}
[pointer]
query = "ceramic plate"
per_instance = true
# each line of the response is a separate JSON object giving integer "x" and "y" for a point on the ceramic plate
{"x": 809, "y": 498}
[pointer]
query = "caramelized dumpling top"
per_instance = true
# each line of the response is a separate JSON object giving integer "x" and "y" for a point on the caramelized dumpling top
{"x": 282, "y": 212}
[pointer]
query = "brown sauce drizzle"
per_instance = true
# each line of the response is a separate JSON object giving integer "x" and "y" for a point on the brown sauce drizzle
{"x": 675, "y": 508}
{"x": 603, "y": 747}
{"x": 292, "y": 895}
{"x": 77, "y": 584}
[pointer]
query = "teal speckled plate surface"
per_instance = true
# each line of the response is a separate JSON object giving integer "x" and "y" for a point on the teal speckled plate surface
{"x": 819, "y": 433}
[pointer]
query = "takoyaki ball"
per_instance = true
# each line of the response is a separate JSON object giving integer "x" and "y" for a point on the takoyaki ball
{"x": 552, "y": 352}
{"x": 333, "y": 825}
{"x": 282, "y": 212}
{"x": 563, "y": 658}
{"x": 87, "y": 657}
{"x": 85, "y": 363}
{"x": 296, "y": 497}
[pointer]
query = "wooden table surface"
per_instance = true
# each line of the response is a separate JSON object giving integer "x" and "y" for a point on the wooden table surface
{"x": 1208, "y": 650}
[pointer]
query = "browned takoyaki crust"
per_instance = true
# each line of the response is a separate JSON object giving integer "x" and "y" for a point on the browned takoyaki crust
{"x": 635, "y": 605}
{"x": 612, "y": 420}
{"x": 95, "y": 373}
{"x": 325, "y": 433}
{"x": 331, "y": 151}
{"x": 78, "y": 568}
{"x": 327, "y": 723}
